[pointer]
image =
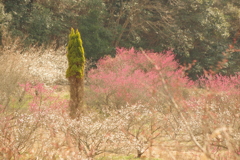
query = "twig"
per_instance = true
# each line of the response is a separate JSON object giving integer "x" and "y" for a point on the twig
{"x": 176, "y": 106}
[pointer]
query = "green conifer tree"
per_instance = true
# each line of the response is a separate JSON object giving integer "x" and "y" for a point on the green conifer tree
{"x": 75, "y": 73}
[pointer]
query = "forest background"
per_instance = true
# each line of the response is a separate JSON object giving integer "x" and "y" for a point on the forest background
{"x": 200, "y": 32}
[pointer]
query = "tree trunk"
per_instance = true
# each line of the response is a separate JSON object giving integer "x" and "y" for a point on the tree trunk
{"x": 76, "y": 96}
{"x": 139, "y": 154}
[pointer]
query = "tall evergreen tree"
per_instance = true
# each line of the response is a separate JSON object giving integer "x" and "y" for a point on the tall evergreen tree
{"x": 75, "y": 73}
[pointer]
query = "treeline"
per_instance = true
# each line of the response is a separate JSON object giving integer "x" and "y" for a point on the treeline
{"x": 203, "y": 33}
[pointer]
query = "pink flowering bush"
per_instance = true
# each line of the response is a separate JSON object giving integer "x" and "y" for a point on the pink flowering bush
{"x": 130, "y": 77}
{"x": 220, "y": 83}
{"x": 199, "y": 112}
{"x": 43, "y": 97}
{"x": 213, "y": 113}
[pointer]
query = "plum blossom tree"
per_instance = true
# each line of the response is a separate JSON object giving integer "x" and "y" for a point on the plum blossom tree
{"x": 130, "y": 78}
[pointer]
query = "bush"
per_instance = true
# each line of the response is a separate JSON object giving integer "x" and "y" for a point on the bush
{"x": 204, "y": 118}
{"x": 131, "y": 78}
{"x": 20, "y": 65}
{"x": 12, "y": 72}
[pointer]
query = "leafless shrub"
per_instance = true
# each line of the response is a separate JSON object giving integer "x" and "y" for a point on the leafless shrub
{"x": 48, "y": 134}
{"x": 139, "y": 129}
{"x": 210, "y": 126}
{"x": 12, "y": 72}
{"x": 18, "y": 134}
{"x": 33, "y": 64}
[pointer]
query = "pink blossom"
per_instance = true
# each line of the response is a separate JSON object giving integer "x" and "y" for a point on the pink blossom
{"x": 131, "y": 74}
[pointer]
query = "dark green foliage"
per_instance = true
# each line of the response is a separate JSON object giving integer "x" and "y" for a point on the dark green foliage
{"x": 40, "y": 18}
{"x": 1, "y": 21}
{"x": 203, "y": 33}
{"x": 44, "y": 22}
{"x": 197, "y": 30}
{"x": 97, "y": 39}
{"x": 20, "y": 11}
{"x": 4, "y": 21}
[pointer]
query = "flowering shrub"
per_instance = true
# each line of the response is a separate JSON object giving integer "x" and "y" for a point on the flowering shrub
{"x": 141, "y": 126}
{"x": 213, "y": 113}
{"x": 130, "y": 77}
{"x": 18, "y": 134}
{"x": 43, "y": 97}
{"x": 202, "y": 116}
{"x": 199, "y": 120}
{"x": 220, "y": 83}
{"x": 50, "y": 134}
{"x": 47, "y": 132}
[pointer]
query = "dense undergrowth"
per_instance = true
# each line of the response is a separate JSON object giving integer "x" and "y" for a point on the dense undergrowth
{"x": 138, "y": 104}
